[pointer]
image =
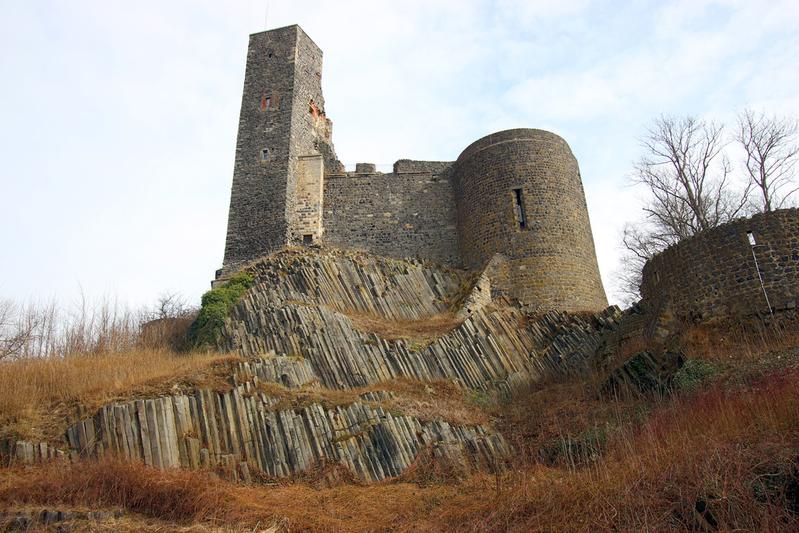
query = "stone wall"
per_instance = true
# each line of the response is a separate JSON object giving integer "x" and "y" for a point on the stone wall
{"x": 519, "y": 194}
{"x": 256, "y": 219}
{"x": 308, "y": 205}
{"x": 311, "y": 133}
{"x": 406, "y": 214}
{"x": 712, "y": 274}
{"x": 282, "y": 120}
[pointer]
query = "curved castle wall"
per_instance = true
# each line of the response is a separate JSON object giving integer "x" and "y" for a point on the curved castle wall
{"x": 519, "y": 194}
{"x": 712, "y": 274}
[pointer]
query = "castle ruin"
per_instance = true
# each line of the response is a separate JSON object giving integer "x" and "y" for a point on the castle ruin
{"x": 512, "y": 204}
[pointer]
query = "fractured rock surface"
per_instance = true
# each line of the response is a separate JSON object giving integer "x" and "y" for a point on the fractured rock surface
{"x": 241, "y": 430}
{"x": 317, "y": 320}
{"x": 308, "y": 304}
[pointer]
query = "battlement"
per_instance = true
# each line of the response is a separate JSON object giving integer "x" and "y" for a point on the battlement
{"x": 513, "y": 199}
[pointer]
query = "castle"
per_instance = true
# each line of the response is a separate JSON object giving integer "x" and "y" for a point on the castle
{"x": 512, "y": 204}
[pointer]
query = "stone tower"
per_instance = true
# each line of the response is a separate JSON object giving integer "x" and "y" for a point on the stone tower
{"x": 512, "y": 204}
{"x": 282, "y": 149}
{"x": 521, "y": 208}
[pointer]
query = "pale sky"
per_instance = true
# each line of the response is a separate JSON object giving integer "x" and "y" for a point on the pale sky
{"x": 118, "y": 119}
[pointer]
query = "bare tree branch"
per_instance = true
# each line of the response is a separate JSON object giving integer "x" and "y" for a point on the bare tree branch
{"x": 17, "y": 329}
{"x": 771, "y": 152}
{"x": 688, "y": 177}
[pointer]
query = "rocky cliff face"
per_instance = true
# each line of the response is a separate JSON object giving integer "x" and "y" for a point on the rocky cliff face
{"x": 361, "y": 319}
{"x": 326, "y": 336}
{"x": 246, "y": 432}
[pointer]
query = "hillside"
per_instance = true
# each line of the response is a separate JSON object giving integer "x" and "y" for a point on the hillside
{"x": 350, "y": 392}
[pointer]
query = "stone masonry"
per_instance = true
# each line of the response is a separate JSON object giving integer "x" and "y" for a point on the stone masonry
{"x": 713, "y": 273}
{"x": 513, "y": 199}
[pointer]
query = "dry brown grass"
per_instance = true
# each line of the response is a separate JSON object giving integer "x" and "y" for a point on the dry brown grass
{"x": 37, "y": 394}
{"x": 421, "y": 331}
{"x": 434, "y": 400}
{"x": 730, "y": 452}
{"x": 742, "y": 340}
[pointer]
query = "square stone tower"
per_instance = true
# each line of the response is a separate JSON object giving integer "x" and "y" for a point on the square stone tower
{"x": 283, "y": 148}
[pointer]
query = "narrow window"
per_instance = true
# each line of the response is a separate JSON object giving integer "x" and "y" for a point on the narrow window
{"x": 264, "y": 154}
{"x": 307, "y": 239}
{"x": 519, "y": 206}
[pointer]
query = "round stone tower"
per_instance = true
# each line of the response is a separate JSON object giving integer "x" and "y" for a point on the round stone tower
{"x": 522, "y": 214}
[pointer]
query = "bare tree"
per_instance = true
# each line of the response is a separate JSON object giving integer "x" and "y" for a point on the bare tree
{"x": 17, "y": 329}
{"x": 689, "y": 182}
{"x": 167, "y": 324}
{"x": 771, "y": 152}
{"x": 171, "y": 305}
{"x": 688, "y": 176}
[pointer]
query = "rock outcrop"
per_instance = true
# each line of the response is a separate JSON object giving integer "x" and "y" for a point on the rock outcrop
{"x": 315, "y": 304}
{"x": 245, "y": 432}
{"x": 319, "y": 322}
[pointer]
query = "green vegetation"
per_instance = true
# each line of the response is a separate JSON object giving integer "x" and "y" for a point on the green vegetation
{"x": 695, "y": 373}
{"x": 576, "y": 450}
{"x": 216, "y": 304}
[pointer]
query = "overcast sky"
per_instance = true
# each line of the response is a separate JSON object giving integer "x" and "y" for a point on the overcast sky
{"x": 118, "y": 119}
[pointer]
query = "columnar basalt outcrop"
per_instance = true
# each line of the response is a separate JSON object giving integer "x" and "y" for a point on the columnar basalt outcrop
{"x": 246, "y": 433}
{"x": 242, "y": 431}
{"x": 333, "y": 308}
{"x": 516, "y": 193}
{"x": 319, "y": 324}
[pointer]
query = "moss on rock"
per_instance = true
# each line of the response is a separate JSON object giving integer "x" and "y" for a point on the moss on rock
{"x": 216, "y": 305}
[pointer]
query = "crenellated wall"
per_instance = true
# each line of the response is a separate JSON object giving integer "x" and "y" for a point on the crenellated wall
{"x": 410, "y": 213}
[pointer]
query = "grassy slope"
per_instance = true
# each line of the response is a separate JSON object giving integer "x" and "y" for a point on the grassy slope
{"x": 37, "y": 394}
{"x": 723, "y": 453}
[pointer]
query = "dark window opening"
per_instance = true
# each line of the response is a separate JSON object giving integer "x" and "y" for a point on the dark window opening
{"x": 307, "y": 239}
{"x": 519, "y": 206}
